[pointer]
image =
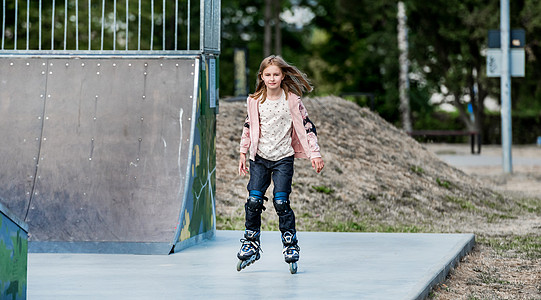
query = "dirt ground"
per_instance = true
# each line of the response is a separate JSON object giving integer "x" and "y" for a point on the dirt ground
{"x": 525, "y": 178}
{"x": 499, "y": 272}
{"x": 378, "y": 179}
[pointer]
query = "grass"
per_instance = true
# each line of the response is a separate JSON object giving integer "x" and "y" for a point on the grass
{"x": 463, "y": 203}
{"x": 492, "y": 208}
{"x": 230, "y": 223}
{"x": 529, "y": 245}
{"x": 443, "y": 183}
{"x": 495, "y": 217}
{"x": 417, "y": 170}
{"x": 356, "y": 224}
{"x": 323, "y": 189}
{"x": 531, "y": 205}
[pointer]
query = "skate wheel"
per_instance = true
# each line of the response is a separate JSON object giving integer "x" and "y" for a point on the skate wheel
{"x": 239, "y": 265}
{"x": 293, "y": 267}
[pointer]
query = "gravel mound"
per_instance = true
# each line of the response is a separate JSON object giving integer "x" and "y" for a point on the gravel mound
{"x": 374, "y": 174}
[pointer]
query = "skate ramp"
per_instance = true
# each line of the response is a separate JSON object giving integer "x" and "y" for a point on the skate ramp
{"x": 379, "y": 266}
{"x": 105, "y": 151}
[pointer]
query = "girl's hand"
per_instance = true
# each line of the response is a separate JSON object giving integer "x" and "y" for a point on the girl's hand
{"x": 317, "y": 164}
{"x": 242, "y": 165}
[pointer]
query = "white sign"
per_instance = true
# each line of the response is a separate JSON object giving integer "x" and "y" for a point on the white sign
{"x": 494, "y": 61}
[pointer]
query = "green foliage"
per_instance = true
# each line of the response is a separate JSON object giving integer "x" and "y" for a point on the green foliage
{"x": 335, "y": 224}
{"x": 323, "y": 189}
{"x": 417, "y": 170}
{"x": 443, "y": 183}
{"x": 359, "y": 52}
{"x": 349, "y": 46}
{"x": 526, "y": 126}
{"x": 48, "y": 43}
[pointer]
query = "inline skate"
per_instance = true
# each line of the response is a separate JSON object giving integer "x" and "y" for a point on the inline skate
{"x": 291, "y": 250}
{"x": 249, "y": 250}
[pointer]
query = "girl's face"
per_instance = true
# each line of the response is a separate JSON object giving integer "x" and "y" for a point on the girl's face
{"x": 272, "y": 76}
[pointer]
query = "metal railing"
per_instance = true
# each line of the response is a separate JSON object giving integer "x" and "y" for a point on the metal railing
{"x": 110, "y": 26}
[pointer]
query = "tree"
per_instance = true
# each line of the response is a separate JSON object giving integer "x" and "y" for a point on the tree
{"x": 446, "y": 41}
{"x": 404, "y": 67}
{"x": 355, "y": 50}
{"x": 67, "y": 18}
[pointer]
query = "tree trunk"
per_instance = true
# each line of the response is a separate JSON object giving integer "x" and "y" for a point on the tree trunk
{"x": 277, "y": 28}
{"x": 463, "y": 113}
{"x": 268, "y": 28}
{"x": 403, "y": 84}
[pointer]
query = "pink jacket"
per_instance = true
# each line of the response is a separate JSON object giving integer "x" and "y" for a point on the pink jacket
{"x": 304, "y": 137}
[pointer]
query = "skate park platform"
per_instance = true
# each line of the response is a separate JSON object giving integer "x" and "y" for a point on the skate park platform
{"x": 332, "y": 266}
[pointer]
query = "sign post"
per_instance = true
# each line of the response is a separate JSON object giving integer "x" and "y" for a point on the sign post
{"x": 505, "y": 88}
{"x": 506, "y": 58}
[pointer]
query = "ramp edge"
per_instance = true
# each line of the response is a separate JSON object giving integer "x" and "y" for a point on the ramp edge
{"x": 99, "y": 247}
{"x": 6, "y": 212}
{"x": 462, "y": 249}
{"x": 211, "y": 234}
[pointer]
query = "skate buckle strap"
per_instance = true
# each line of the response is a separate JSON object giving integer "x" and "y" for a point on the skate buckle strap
{"x": 246, "y": 243}
{"x": 291, "y": 248}
{"x": 289, "y": 238}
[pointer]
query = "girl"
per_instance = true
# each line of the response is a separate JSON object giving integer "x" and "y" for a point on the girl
{"x": 276, "y": 130}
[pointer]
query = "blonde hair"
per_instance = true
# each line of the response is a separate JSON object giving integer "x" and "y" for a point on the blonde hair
{"x": 294, "y": 80}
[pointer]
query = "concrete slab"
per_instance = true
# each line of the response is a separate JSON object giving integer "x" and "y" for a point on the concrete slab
{"x": 333, "y": 265}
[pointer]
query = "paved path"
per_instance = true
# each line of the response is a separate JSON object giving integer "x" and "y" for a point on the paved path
{"x": 459, "y": 155}
{"x": 486, "y": 160}
{"x": 333, "y": 266}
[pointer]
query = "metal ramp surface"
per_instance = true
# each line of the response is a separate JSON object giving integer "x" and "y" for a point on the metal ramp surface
{"x": 101, "y": 150}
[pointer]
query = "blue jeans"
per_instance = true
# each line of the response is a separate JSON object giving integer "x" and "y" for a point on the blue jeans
{"x": 281, "y": 173}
